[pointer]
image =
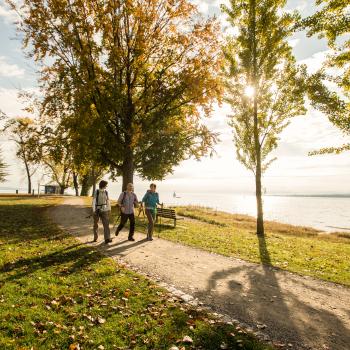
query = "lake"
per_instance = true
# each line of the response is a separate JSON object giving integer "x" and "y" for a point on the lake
{"x": 325, "y": 213}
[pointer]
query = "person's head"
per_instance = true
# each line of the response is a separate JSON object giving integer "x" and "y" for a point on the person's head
{"x": 130, "y": 187}
{"x": 102, "y": 185}
{"x": 153, "y": 187}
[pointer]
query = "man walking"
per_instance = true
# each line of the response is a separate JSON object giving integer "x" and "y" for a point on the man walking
{"x": 127, "y": 202}
{"x": 101, "y": 208}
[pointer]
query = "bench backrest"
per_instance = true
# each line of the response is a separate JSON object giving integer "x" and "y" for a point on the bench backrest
{"x": 166, "y": 213}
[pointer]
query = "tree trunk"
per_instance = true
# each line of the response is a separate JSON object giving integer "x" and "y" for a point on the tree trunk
{"x": 93, "y": 189}
{"x": 257, "y": 145}
{"x": 76, "y": 185}
{"x": 85, "y": 185}
{"x": 62, "y": 188}
{"x": 28, "y": 177}
{"x": 128, "y": 169}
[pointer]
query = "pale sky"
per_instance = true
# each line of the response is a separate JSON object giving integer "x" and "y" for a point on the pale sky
{"x": 294, "y": 171}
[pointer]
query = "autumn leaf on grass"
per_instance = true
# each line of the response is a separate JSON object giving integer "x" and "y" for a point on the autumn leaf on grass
{"x": 74, "y": 346}
{"x": 187, "y": 339}
{"x": 101, "y": 320}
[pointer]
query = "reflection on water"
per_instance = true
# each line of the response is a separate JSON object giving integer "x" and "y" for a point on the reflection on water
{"x": 325, "y": 213}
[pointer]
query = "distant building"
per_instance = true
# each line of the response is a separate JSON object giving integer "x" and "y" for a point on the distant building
{"x": 52, "y": 189}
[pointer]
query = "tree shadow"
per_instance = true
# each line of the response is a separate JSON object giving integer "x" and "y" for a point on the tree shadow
{"x": 78, "y": 255}
{"x": 253, "y": 295}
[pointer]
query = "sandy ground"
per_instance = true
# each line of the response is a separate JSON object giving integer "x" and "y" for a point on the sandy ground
{"x": 302, "y": 312}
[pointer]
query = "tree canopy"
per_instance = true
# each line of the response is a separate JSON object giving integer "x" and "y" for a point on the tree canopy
{"x": 329, "y": 88}
{"x": 132, "y": 79}
{"x": 264, "y": 86}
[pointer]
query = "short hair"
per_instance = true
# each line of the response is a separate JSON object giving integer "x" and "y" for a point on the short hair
{"x": 102, "y": 184}
{"x": 153, "y": 185}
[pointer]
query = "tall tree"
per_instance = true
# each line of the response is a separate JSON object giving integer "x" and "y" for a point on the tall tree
{"x": 21, "y": 132}
{"x": 332, "y": 21}
{"x": 141, "y": 73}
{"x": 264, "y": 85}
{"x": 3, "y": 168}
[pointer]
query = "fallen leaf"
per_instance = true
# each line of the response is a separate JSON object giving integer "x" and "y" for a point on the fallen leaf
{"x": 101, "y": 320}
{"x": 187, "y": 339}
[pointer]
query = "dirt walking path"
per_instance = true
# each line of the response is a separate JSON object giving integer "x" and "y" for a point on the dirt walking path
{"x": 301, "y": 312}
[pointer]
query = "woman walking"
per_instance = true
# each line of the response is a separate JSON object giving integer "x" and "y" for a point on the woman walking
{"x": 127, "y": 202}
{"x": 151, "y": 199}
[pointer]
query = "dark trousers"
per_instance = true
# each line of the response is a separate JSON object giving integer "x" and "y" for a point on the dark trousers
{"x": 123, "y": 219}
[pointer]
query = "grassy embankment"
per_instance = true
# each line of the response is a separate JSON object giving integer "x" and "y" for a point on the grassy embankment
{"x": 298, "y": 249}
{"x": 56, "y": 293}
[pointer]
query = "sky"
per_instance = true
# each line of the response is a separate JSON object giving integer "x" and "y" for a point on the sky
{"x": 294, "y": 172}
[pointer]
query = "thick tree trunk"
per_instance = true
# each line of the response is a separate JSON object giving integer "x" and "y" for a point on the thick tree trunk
{"x": 85, "y": 185}
{"x": 128, "y": 169}
{"x": 62, "y": 188}
{"x": 76, "y": 185}
{"x": 93, "y": 189}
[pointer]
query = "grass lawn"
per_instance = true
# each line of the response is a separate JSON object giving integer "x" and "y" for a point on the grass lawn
{"x": 297, "y": 249}
{"x": 56, "y": 293}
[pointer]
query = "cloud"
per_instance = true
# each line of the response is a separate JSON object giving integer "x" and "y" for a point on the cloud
{"x": 315, "y": 62}
{"x": 9, "y": 16}
{"x": 10, "y": 70}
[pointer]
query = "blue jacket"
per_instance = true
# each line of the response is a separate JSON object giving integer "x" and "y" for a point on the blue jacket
{"x": 151, "y": 199}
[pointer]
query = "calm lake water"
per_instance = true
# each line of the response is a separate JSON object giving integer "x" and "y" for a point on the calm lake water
{"x": 324, "y": 213}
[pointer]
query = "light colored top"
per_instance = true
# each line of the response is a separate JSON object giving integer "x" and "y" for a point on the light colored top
{"x": 128, "y": 203}
{"x": 103, "y": 201}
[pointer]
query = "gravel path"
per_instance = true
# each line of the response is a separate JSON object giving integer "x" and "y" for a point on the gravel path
{"x": 301, "y": 312}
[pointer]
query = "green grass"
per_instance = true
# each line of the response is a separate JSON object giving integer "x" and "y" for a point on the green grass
{"x": 56, "y": 293}
{"x": 298, "y": 249}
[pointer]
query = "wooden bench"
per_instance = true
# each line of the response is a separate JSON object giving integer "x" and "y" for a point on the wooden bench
{"x": 167, "y": 214}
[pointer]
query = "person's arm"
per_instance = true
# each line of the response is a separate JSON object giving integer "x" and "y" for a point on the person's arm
{"x": 158, "y": 199}
{"x": 94, "y": 203}
{"x": 144, "y": 198}
{"x": 136, "y": 202}
{"x": 120, "y": 199}
{"x": 108, "y": 203}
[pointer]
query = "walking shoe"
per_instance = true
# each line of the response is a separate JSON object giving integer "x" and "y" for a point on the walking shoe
{"x": 131, "y": 239}
{"x": 108, "y": 241}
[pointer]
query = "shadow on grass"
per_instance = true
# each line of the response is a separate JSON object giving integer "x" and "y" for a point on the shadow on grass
{"x": 78, "y": 256}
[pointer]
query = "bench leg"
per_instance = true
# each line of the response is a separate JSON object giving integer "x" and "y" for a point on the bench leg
{"x": 174, "y": 223}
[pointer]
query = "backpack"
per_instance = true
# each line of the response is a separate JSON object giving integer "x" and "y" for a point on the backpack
{"x": 96, "y": 202}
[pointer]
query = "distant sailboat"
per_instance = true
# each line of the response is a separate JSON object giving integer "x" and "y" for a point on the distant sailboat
{"x": 175, "y": 196}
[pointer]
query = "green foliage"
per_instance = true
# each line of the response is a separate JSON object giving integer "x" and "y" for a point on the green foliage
{"x": 329, "y": 89}
{"x": 22, "y": 131}
{"x": 130, "y": 80}
{"x": 3, "y": 168}
{"x": 262, "y": 60}
{"x": 60, "y": 294}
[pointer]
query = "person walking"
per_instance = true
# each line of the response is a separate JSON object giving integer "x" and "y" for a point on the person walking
{"x": 101, "y": 208}
{"x": 151, "y": 199}
{"x": 127, "y": 202}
